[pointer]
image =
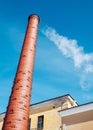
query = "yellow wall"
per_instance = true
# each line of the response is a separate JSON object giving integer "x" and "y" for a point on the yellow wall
{"x": 1, "y": 125}
{"x": 52, "y": 120}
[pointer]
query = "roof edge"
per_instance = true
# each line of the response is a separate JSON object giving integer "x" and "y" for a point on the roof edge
{"x": 53, "y": 99}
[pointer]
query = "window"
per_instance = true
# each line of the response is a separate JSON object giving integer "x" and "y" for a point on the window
{"x": 40, "y": 122}
{"x": 29, "y": 123}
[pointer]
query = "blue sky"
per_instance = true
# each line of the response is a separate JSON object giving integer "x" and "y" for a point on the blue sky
{"x": 64, "y": 55}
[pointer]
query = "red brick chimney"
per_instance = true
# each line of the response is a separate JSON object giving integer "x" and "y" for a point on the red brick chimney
{"x": 17, "y": 114}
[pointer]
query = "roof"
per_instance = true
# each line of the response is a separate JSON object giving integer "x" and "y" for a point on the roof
{"x": 59, "y": 97}
{"x": 52, "y": 103}
{"x": 77, "y": 109}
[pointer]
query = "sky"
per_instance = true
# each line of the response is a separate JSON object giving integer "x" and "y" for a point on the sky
{"x": 64, "y": 52}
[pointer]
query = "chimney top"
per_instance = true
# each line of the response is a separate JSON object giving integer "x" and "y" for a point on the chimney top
{"x": 34, "y": 15}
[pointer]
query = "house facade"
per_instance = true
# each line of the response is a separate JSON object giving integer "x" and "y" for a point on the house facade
{"x": 60, "y": 113}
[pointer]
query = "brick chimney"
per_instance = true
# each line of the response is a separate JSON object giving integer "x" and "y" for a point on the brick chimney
{"x": 17, "y": 113}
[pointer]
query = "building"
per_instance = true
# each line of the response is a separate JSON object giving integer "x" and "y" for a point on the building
{"x": 78, "y": 118}
{"x": 61, "y": 113}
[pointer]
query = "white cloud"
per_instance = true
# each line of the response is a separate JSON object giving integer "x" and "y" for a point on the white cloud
{"x": 71, "y": 49}
{"x": 68, "y": 47}
{"x": 86, "y": 81}
{"x": 89, "y": 68}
